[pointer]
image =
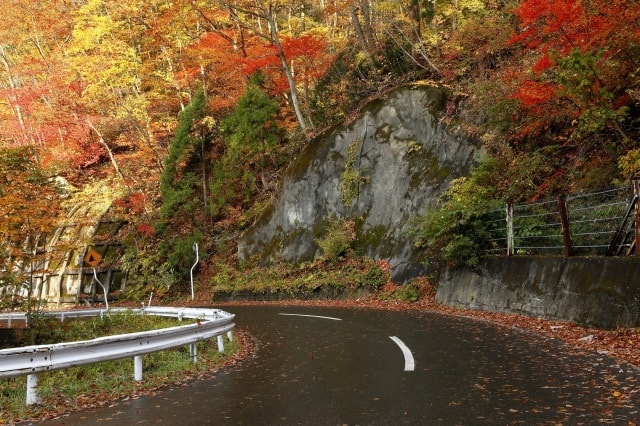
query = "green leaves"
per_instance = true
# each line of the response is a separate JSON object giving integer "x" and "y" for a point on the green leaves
{"x": 455, "y": 233}
{"x": 252, "y": 126}
{"x": 182, "y": 149}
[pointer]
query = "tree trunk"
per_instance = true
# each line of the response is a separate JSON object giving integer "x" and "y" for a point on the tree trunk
{"x": 104, "y": 144}
{"x": 264, "y": 11}
{"x": 366, "y": 20}
{"x": 287, "y": 70}
{"x": 358, "y": 30}
{"x": 13, "y": 86}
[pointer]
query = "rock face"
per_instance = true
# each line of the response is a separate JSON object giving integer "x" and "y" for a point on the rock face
{"x": 385, "y": 168}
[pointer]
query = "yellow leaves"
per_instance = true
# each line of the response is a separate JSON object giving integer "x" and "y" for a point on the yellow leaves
{"x": 103, "y": 54}
{"x": 629, "y": 164}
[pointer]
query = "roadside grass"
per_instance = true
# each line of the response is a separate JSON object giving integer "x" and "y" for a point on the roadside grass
{"x": 98, "y": 384}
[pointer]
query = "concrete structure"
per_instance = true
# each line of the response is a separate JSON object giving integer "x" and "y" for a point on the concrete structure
{"x": 598, "y": 291}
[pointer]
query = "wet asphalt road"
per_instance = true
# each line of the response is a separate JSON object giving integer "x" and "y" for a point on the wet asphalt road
{"x": 319, "y": 371}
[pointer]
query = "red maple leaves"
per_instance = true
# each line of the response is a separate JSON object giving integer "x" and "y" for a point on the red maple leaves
{"x": 577, "y": 60}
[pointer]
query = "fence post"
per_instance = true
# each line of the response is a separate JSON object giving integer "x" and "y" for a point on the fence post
{"x": 566, "y": 228}
{"x": 636, "y": 192}
{"x": 509, "y": 219}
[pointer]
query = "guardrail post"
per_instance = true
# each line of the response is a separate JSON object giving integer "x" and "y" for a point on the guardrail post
{"x": 193, "y": 352}
{"x": 230, "y": 336}
{"x": 32, "y": 389}
{"x": 137, "y": 368}
{"x": 220, "y": 344}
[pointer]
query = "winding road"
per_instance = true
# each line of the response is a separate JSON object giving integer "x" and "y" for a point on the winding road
{"x": 324, "y": 366}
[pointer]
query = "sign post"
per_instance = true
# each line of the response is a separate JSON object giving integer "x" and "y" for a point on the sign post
{"x": 195, "y": 249}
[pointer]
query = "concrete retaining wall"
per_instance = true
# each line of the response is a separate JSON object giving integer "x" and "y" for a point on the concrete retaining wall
{"x": 599, "y": 291}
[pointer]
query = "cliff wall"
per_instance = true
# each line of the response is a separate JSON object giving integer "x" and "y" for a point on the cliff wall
{"x": 387, "y": 166}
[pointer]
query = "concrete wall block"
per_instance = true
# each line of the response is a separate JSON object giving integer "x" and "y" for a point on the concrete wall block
{"x": 602, "y": 292}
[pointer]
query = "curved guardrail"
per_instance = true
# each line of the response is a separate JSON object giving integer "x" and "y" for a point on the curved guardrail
{"x": 31, "y": 360}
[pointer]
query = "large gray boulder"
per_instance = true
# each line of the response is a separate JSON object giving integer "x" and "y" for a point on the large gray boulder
{"x": 383, "y": 169}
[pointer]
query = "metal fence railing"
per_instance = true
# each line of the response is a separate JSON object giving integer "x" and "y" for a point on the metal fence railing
{"x": 595, "y": 223}
{"x": 31, "y": 360}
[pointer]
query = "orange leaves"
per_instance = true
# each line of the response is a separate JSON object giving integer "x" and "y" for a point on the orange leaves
{"x": 578, "y": 57}
{"x": 307, "y": 53}
{"x": 132, "y": 203}
{"x": 532, "y": 93}
{"x": 145, "y": 229}
{"x": 546, "y": 21}
{"x": 560, "y": 26}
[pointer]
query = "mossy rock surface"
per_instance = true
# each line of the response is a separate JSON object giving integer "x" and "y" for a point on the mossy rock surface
{"x": 405, "y": 158}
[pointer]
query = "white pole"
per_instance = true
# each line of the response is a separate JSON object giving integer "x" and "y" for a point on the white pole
{"x": 195, "y": 249}
{"x": 104, "y": 289}
{"x": 137, "y": 368}
{"x": 220, "y": 344}
{"x": 32, "y": 389}
{"x": 230, "y": 335}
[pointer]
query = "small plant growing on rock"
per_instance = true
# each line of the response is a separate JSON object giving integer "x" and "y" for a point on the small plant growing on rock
{"x": 352, "y": 176}
{"x": 336, "y": 243}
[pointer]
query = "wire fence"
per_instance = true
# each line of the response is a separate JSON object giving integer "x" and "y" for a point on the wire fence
{"x": 595, "y": 223}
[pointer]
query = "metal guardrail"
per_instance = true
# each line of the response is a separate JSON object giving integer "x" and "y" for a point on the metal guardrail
{"x": 31, "y": 360}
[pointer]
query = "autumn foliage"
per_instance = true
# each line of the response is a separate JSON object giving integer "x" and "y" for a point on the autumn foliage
{"x": 582, "y": 63}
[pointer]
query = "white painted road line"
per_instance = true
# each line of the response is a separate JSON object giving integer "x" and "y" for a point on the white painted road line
{"x": 312, "y": 316}
{"x": 409, "y": 363}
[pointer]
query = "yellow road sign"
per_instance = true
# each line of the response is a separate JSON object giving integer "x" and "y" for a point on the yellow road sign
{"x": 92, "y": 258}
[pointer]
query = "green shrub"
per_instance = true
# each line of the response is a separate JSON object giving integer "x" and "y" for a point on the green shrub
{"x": 456, "y": 232}
{"x": 337, "y": 241}
{"x": 408, "y": 293}
{"x": 374, "y": 278}
{"x": 181, "y": 255}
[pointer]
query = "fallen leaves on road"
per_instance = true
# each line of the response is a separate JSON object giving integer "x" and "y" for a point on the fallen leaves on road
{"x": 622, "y": 343}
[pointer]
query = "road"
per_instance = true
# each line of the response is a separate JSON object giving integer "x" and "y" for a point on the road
{"x": 323, "y": 366}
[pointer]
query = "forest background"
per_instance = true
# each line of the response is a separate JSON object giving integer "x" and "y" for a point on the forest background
{"x": 189, "y": 111}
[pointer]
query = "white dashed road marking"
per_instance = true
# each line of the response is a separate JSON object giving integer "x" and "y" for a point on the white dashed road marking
{"x": 313, "y": 316}
{"x": 409, "y": 363}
